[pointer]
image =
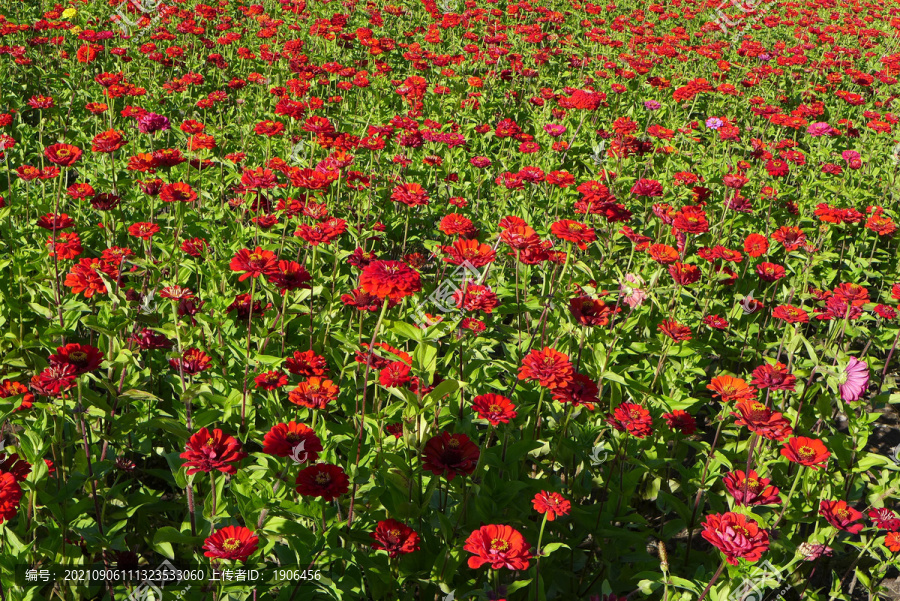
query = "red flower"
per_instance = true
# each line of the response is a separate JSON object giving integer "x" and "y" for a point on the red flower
{"x": 759, "y": 490}
{"x": 83, "y": 358}
{"x": 307, "y": 363}
{"x": 389, "y": 279}
{"x": 662, "y": 253}
{"x": 737, "y": 536}
{"x": 9, "y": 388}
{"x": 681, "y": 421}
{"x": 143, "y": 230}
{"x": 885, "y": 519}
{"x": 323, "y": 480}
{"x": 590, "y": 312}
{"x": 499, "y": 546}
{"x": 177, "y": 192}
{"x": 270, "y": 380}
{"x": 675, "y": 330}
{"x": 770, "y": 272}
{"x": 218, "y": 451}
{"x": 647, "y": 187}
{"x": 314, "y": 393}
{"x": 282, "y": 439}
{"x": 756, "y": 245}
{"x": 54, "y": 380}
{"x": 108, "y": 141}
{"x": 192, "y": 362}
{"x": 806, "y": 451}
{"x": 790, "y": 314}
{"x": 552, "y": 504}
{"x": 892, "y": 541}
{"x": 548, "y": 367}
{"x": 64, "y": 155}
{"x": 580, "y": 391}
{"x": 632, "y": 418}
{"x": 231, "y": 542}
{"x": 684, "y": 274}
{"x": 394, "y": 375}
{"x": 290, "y": 276}
{"x": 691, "y": 220}
{"x": 395, "y": 537}
{"x": 775, "y": 377}
{"x": 574, "y": 232}
{"x": 473, "y": 251}
{"x": 10, "y": 495}
{"x": 449, "y": 455}
{"x": 83, "y": 278}
{"x": 841, "y": 516}
{"x": 254, "y": 263}
{"x": 762, "y": 420}
{"x": 494, "y": 408}
{"x": 476, "y": 298}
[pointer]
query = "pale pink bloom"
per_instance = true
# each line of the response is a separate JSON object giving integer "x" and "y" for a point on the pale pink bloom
{"x": 630, "y": 290}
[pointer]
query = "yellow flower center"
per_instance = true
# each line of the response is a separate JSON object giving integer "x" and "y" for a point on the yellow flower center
{"x": 231, "y": 544}
{"x": 498, "y": 544}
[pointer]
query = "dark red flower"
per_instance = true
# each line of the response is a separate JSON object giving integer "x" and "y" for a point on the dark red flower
{"x": 394, "y": 537}
{"x": 841, "y": 516}
{"x": 82, "y": 357}
{"x": 632, "y": 418}
{"x": 759, "y": 491}
{"x": 323, "y": 480}
{"x": 449, "y": 455}
{"x": 283, "y": 440}
{"x": 681, "y": 421}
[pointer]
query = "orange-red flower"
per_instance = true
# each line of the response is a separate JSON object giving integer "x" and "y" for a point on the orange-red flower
{"x": 729, "y": 388}
{"x": 810, "y": 452}
{"x": 548, "y": 367}
{"x": 763, "y": 421}
{"x": 64, "y": 155}
{"x": 632, "y": 418}
{"x": 254, "y": 263}
{"x": 494, "y": 408}
{"x": 499, "y": 546}
{"x": 389, "y": 279}
{"x": 551, "y": 504}
{"x": 10, "y": 495}
{"x": 314, "y": 393}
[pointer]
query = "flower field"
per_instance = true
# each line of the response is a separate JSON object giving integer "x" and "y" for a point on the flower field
{"x": 474, "y": 299}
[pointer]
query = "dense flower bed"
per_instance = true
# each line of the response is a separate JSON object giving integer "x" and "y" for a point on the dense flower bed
{"x": 481, "y": 299}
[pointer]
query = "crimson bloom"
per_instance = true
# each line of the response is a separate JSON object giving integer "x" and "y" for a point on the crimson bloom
{"x": 192, "y": 362}
{"x": 254, "y": 263}
{"x": 283, "y": 439}
{"x": 552, "y": 504}
{"x": 82, "y": 357}
{"x": 841, "y": 516}
{"x": 64, "y": 155}
{"x": 759, "y": 491}
{"x": 498, "y": 546}
{"x": 231, "y": 542}
{"x": 737, "y": 536}
{"x": 394, "y": 537}
{"x": 10, "y": 495}
{"x": 494, "y": 408}
{"x": 632, "y": 418}
{"x": 449, "y": 455}
{"x": 323, "y": 480}
{"x": 206, "y": 452}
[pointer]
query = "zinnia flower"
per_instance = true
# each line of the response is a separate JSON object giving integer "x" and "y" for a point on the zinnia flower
{"x": 389, "y": 279}
{"x": 806, "y": 451}
{"x": 841, "y": 516}
{"x": 231, "y": 542}
{"x": 206, "y": 452}
{"x": 855, "y": 380}
{"x": 552, "y": 504}
{"x": 737, "y": 536}
{"x": 494, "y": 408}
{"x": 283, "y": 439}
{"x": 499, "y": 546}
{"x": 323, "y": 480}
{"x": 10, "y": 495}
{"x": 449, "y": 455}
{"x": 548, "y": 367}
{"x": 395, "y": 537}
{"x": 759, "y": 491}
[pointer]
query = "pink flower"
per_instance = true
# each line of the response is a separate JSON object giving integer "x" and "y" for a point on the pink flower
{"x": 856, "y": 379}
{"x": 630, "y": 291}
{"x": 820, "y": 129}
